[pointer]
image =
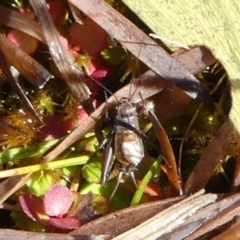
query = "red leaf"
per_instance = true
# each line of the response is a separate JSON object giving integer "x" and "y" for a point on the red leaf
{"x": 22, "y": 40}
{"x": 57, "y": 200}
{"x": 97, "y": 70}
{"x": 82, "y": 115}
{"x": 58, "y": 12}
{"x": 32, "y": 206}
{"x": 90, "y": 37}
{"x": 154, "y": 190}
{"x": 65, "y": 223}
{"x": 54, "y": 127}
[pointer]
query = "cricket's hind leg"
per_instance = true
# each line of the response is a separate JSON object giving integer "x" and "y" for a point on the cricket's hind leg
{"x": 106, "y": 147}
{"x": 107, "y": 162}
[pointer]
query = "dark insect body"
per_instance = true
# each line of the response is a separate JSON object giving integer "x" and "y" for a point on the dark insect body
{"x": 128, "y": 145}
{"x": 124, "y": 142}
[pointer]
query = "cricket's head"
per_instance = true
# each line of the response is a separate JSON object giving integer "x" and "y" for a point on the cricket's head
{"x": 126, "y": 108}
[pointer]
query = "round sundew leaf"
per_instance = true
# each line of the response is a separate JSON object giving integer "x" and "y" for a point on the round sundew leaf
{"x": 153, "y": 189}
{"x": 65, "y": 223}
{"x": 58, "y": 12}
{"x": 32, "y": 206}
{"x": 40, "y": 183}
{"x": 96, "y": 69}
{"x": 24, "y": 41}
{"x": 101, "y": 205}
{"x": 92, "y": 172}
{"x": 57, "y": 200}
{"x": 91, "y": 38}
{"x": 54, "y": 128}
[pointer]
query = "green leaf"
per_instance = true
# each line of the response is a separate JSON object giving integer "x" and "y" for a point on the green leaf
{"x": 120, "y": 199}
{"x": 23, "y": 222}
{"x": 15, "y": 154}
{"x": 151, "y": 172}
{"x": 92, "y": 171}
{"x": 214, "y": 24}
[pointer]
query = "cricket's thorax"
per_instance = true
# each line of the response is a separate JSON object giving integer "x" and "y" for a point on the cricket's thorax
{"x": 128, "y": 145}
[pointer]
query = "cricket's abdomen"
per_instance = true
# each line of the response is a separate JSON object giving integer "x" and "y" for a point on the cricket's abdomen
{"x": 128, "y": 145}
{"x": 128, "y": 148}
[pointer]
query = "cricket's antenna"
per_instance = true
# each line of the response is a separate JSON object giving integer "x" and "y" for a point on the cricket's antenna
{"x": 95, "y": 81}
{"x": 131, "y": 84}
{"x": 106, "y": 89}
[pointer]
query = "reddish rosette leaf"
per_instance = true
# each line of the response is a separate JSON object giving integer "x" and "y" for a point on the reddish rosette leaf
{"x": 153, "y": 189}
{"x": 64, "y": 42}
{"x": 55, "y": 127}
{"x": 58, "y": 12}
{"x": 99, "y": 74}
{"x": 27, "y": 43}
{"x": 72, "y": 49}
{"x": 81, "y": 114}
{"x": 32, "y": 206}
{"x": 97, "y": 70}
{"x": 65, "y": 223}
{"x": 57, "y": 200}
{"x": 91, "y": 38}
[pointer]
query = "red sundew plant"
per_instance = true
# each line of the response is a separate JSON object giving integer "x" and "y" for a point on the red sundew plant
{"x": 58, "y": 11}
{"x": 23, "y": 41}
{"x": 51, "y": 210}
{"x": 91, "y": 38}
{"x": 55, "y": 127}
{"x": 153, "y": 189}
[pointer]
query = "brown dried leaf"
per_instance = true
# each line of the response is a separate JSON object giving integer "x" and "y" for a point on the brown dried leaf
{"x": 7, "y": 234}
{"x": 231, "y": 233}
{"x": 14, "y": 19}
{"x": 216, "y": 215}
{"x": 25, "y": 64}
{"x": 185, "y": 226}
{"x": 169, "y": 218}
{"x": 121, "y": 221}
{"x": 73, "y": 76}
{"x": 213, "y": 153}
{"x": 167, "y": 151}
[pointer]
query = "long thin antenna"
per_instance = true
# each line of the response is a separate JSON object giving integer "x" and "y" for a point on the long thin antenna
{"x": 131, "y": 85}
{"x": 94, "y": 80}
{"x": 106, "y": 89}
